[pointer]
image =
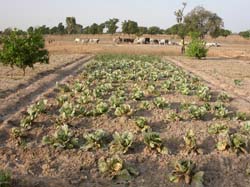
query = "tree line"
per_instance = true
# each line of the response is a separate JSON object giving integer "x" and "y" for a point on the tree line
{"x": 110, "y": 27}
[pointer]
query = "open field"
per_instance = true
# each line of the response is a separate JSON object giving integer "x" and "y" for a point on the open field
{"x": 167, "y": 107}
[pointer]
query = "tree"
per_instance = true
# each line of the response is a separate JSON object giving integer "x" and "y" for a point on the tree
{"x": 44, "y": 29}
{"x": 181, "y": 27}
{"x": 111, "y": 25}
{"x": 225, "y": 32}
{"x": 203, "y": 21}
{"x": 7, "y": 31}
{"x": 154, "y": 30}
{"x": 61, "y": 29}
{"x": 245, "y": 34}
{"x": 142, "y": 30}
{"x": 30, "y": 29}
{"x": 71, "y": 25}
{"x": 23, "y": 51}
{"x": 130, "y": 27}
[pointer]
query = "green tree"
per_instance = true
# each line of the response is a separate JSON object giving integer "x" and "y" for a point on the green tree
{"x": 142, "y": 30}
{"x": 203, "y": 21}
{"x": 181, "y": 27}
{"x": 94, "y": 29}
{"x": 61, "y": 29}
{"x": 30, "y": 29}
{"x": 154, "y": 30}
{"x": 245, "y": 34}
{"x": 71, "y": 25}
{"x": 225, "y": 32}
{"x": 111, "y": 25}
{"x": 130, "y": 27}
{"x": 23, "y": 51}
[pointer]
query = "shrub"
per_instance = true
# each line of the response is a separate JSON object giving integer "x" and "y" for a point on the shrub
{"x": 23, "y": 51}
{"x": 197, "y": 48}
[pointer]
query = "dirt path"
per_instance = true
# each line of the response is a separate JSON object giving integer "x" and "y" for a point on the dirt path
{"x": 24, "y": 96}
{"x": 241, "y": 99}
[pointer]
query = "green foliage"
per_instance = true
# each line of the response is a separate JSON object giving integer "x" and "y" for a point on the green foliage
{"x": 174, "y": 116}
{"x": 5, "y": 178}
{"x": 101, "y": 108}
{"x": 197, "y": 112}
{"x": 240, "y": 116}
{"x": 72, "y": 27}
{"x": 154, "y": 142}
{"x": 129, "y": 27}
{"x": 197, "y": 48}
{"x": 121, "y": 142}
{"x": 142, "y": 123}
{"x": 160, "y": 102}
{"x": 124, "y": 109}
{"x": 235, "y": 142}
{"x": 190, "y": 143}
{"x": 204, "y": 93}
{"x": 116, "y": 168}
{"x": 95, "y": 140}
{"x": 245, "y": 34}
{"x": 184, "y": 170}
{"x": 245, "y": 129}
{"x": 217, "y": 128}
{"x": 111, "y": 25}
{"x": 63, "y": 138}
{"x": 23, "y": 51}
{"x": 223, "y": 97}
{"x": 220, "y": 111}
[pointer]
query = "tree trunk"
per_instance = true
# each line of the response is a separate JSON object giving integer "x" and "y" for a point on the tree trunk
{"x": 24, "y": 72}
{"x": 183, "y": 46}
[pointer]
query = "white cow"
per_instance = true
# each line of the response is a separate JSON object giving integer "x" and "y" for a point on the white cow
{"x": 213, "y": 44}
{"x": 85, "y": 41}
{"x": 94, "y": 40}
{"x": 140, "y": 41}
{"x": 163, "y": 42}
{"x": 77, "y": 40}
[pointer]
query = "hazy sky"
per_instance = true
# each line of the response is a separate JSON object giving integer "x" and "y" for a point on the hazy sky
{"x": 24, "y": 13}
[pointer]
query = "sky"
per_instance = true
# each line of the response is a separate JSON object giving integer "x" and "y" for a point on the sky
{"x": 24, "y": 13}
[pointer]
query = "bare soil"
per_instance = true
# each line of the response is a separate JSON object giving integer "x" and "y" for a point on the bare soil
{"x": 38, "y": 165}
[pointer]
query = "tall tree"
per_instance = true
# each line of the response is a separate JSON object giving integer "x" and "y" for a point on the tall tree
{"x": 111, "y": 25}
{"x": 203, "y": 21}
{"x": 61, "y": 28}
{"x": 181, "y": 27}
{"x": 71, "y": 25}
{"x": 130, "y": 27}
{"x": 154, "y": 30}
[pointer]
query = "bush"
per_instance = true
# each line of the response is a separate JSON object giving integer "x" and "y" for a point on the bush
{"x": 197, "y": 48}
{"x": 24, "y": 50}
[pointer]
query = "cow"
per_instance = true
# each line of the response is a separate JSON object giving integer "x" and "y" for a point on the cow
{"x": 117, "y": 40}
{"x": 154, "y": 41}
{"x": 213, "y": 44}
{"x": 128, "y": 40}
{"x": 163, "y": 42}
{"x": 77, "y": 40}
{"x": 85, "y": 41}
{"x": 140, "y": 41}
{"x": 173, "y": 43}
{"x": 94, "y": 40}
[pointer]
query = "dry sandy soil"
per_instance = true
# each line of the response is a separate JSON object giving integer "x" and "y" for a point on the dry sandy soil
{"x": 219, "y": 70}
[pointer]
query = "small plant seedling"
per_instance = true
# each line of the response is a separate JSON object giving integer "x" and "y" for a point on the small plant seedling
{"x": 204, "y": 93}
{"x": 238, "y": 82}
{"x": 5, "y": 178}
{"x": 63, "y": 138}
{"x": 154, "y": 142}
{"x": 116, "y": 101}
{"x": 145, "y": 105}
{"x": 240, "y": 116}
{"x": 101, "y": 108}
{"x": 220, "y": 111}
{"x": 67, "y": 110}
{"x": 174, "y": 116}
{"x": 217, "y": 128}
{"x": 124, "y": 109}
{"x": 95, "y": 140}
{"x": 64, "y": 88}
{"x": 160, "y": 102}
{"x": 116, "y": 168}
{"x": 235, "y": 142}
{"x": 137, "y": 94}
{"x": 223, "y": 97}
{"x": 121, "y": 142}
{"x": 197, "y": 112}
{"x": 190, "y": 143}
{"x": 184, "y": 170}
{"x": 245, "y": 129}
{"x": 142, "y": 123}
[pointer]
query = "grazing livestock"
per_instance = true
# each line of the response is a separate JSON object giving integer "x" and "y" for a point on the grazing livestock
{"x": 140, "y": 41}
{"x": 163, "y": 42}
{"x": 154, "y": 41}
{"x": 213, "y": 44}
{"x": 173, "y": 43}
{"x": 77, "y": 40}
{"x": 128, "y": 40}
{"x": 94, "y": 41}
{"x": 85, "y": 41}
{"x": 117, "y": 40}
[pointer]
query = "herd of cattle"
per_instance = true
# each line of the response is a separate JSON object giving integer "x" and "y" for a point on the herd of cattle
{"x": 140, "y": 40}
